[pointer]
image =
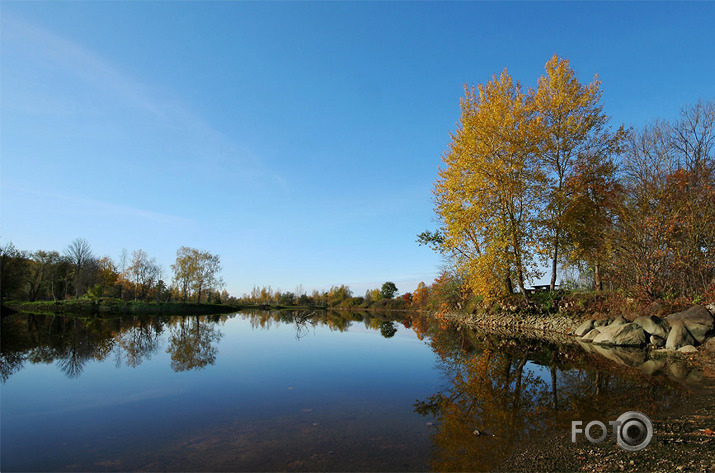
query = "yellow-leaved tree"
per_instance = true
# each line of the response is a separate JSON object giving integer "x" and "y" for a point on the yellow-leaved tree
{"x": 488, "y": 194}
{"x": 576, "y": 146}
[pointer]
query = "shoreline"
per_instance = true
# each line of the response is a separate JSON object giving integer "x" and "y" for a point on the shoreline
{"x": 116, "y": 307}
{"x": 669, "y": 450}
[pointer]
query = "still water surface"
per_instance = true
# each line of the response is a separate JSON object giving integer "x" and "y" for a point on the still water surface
{"x": 268, "y": 391}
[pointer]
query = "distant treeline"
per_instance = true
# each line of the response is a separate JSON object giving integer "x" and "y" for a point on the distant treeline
{"x": 77, "y": 272}
{"x": 337, "y": 297}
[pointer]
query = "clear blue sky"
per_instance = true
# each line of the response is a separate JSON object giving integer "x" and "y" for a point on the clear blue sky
{"x": 299, "y": 141}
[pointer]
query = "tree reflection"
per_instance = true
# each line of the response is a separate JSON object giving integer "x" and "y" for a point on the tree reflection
{"x": 139, "y": 341}
{"x": 191, "y": 343}
{"x": 491, "y": 403}
{"x": 72, "y": 342}
{"x": 388, "y": 329}
{"x": 10, "y": 363}
{"x": 77, "y": 350}
{"x": 502, "y": 391}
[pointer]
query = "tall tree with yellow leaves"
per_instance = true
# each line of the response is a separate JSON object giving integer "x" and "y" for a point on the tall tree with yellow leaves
{"x": 487, "y": 196}
{"x": 575, "y": 139}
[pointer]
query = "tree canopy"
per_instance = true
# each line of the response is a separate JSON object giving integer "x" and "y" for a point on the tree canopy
{"x": 527, "y": 178}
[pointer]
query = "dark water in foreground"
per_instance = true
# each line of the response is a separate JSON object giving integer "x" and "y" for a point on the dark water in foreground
{"x": 292, "y": 392}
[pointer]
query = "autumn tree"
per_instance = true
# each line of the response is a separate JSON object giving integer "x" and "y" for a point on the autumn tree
{"x": 421, "y": 295}
{"x": 337, "y": 294}
{"x": 196, "y": 272}
{"x": 574, "y": 142}
{"x": 588, "y": 219}
{"x": 372, "y": 295}
{"x": 144, "y": 273}
{"x": 487, "y": 197}
{"x": 664, "y": 238}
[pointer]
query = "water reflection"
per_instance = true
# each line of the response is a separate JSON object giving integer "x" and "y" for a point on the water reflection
{"x": 460, "y": 400}
{"x": 503, "y": 391}
{"x": 192, "y": 344}
{"x": 191, "y": 341}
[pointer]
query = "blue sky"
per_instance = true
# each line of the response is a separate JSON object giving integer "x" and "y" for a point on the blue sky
{"x": 299, "y": 141}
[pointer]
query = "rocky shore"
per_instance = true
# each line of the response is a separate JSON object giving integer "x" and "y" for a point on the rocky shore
{"x": 680, "y": 346}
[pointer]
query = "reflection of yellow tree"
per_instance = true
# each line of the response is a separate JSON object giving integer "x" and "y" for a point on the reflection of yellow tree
{"x": 191, "y": 344}
{"x": 493, "y": 401}
{"x": 491, "y": 404}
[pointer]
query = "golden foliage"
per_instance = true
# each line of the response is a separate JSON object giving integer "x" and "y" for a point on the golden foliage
{"x": 509, "y": 197}
{"x": 487, "y": 195}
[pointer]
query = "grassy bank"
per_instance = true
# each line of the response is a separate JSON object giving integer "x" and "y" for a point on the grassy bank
{"x": 111, "y": 306}
{"x": 107, "y": 306}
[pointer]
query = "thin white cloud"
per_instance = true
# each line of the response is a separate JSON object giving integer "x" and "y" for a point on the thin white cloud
{"x": 52, "y": 53}
{"x": 97, "y": 207}
{"x": 37, "y": 64}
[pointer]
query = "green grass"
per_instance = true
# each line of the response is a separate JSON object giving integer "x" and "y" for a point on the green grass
{"x": 109, "y": 306}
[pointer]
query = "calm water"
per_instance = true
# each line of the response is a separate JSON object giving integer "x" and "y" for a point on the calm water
{"x": 290, "y": 391}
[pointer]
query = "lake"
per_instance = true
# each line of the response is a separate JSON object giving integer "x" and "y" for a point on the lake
{"x": 292, "y": 391}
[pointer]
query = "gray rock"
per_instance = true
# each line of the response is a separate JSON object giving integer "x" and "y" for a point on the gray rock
{"x": 679, "y": 336}
{"x": 657, "y": 341}
{"x": 621, "y": 335}
{"x": 653, "y": 325}
{"x": 651, "y": 367}
{"x": 584, "y": 328}
{"x": 698, "y": 320}
{"x": 590, "y": 335}
{"x": 618, "y": 321}
{"x": 709, "y": 345}
{"x": 600, "y": 323}
{"x": 688, "y": 349}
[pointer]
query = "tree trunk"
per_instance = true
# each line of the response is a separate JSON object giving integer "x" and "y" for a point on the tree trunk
{"x": 554, "y": 262}
{"x": 597, "y": 277}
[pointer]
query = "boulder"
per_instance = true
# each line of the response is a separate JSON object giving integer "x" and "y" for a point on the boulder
{"x": 621, "y": 335}
{"x": 653, "y": 325}
{"x": 698, "y": 320}
{"x": 584, "y": 328}
{"x": 657, "y": 341}
{"x": 618, "y": 321}
{"x": 709, "y": 346}
{"x": 679, "y": 336}
{"x": 590, "y": 335}
{"x": 600, "y": 323}
{"x": 688, "y": 349}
